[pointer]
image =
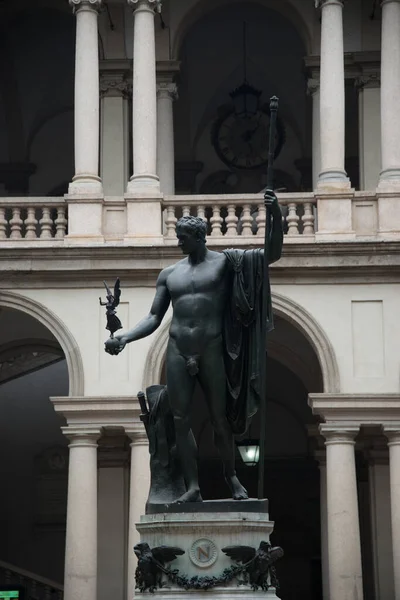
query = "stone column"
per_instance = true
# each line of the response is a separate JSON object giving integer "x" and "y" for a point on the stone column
{"x": 138, "y": 494}
{"x": 87, "y": 126}
{"x": 344, "y": 547}
{"x": 114, "y": 157}
{"x": 166, "y": 94}
{"x": 144, "y": 178}
{"x": 381, "y": 527}
{"x": 332, "y": 104}
{"x": 370, "y": 130}
{"x": 81, "y": 535}
{"x": 393, "y": 434}
{"x": 321, "y": 458}
{"x": 314, "y": 91}
{"x": 390, "y": 93}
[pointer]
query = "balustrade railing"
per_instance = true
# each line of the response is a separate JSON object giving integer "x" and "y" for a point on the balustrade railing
{"x": 242, "y": 217}
{"x": 32, "y": 218}
{"x": 35, "y": 587}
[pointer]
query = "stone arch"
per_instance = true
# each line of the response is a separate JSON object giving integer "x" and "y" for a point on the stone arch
{"x": 287, "y": 309}
{"x": 202, "y": 7}
{"x": 58, "y": 329}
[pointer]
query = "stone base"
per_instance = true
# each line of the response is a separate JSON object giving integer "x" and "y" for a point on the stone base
{"x": 201, "y": 534}
{"x": 234, "y": 593}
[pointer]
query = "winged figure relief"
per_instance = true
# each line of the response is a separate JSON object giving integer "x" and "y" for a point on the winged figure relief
{"x": 151, "y": 565}
{"x": 113, "y": 322}
{"x": 258, "y": 563}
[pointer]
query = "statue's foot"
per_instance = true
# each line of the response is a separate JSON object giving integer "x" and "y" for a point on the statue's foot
{"x": 238, "y": 491}
{"x": 192, "y": 495}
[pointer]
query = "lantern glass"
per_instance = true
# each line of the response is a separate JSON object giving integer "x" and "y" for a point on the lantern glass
{"x": 249, "y": 451}
{"x": 246, "y": 100}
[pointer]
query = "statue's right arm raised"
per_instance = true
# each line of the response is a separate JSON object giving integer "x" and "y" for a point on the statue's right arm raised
{"x": 150, "y": 323}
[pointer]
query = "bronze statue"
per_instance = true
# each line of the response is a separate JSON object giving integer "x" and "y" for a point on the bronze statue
{"x": 166, "y": 483}
{"x": 215, "y": 337}
{"x": 113, "y": 322}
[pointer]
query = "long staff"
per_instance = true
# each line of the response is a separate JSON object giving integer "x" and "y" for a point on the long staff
{"x": 273, "y": 107}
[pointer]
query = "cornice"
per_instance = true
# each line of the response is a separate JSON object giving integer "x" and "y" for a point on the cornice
{"x": 61, "y": 266}
{"x": 80, "y": 412}
{"x": 363, "y": 409}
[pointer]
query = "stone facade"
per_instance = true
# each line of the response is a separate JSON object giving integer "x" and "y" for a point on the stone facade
{"x": 144, "y": 156}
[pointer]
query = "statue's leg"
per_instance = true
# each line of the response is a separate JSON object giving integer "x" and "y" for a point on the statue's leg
{"x": 180, "y": 392}
{"x": 213, "y": 382}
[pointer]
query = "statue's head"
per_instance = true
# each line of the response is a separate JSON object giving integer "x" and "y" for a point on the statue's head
{"x": 190, "y": 231}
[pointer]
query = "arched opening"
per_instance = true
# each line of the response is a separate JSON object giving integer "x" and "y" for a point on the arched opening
{"x": 36, "y": 99}
{"x": 251, "y": 43}
{"x": 33, "y": 450}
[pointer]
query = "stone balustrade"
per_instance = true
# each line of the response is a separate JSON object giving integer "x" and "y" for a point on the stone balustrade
{"x": 243, "y": 217}
{"x": 36, "y": 587}
{"x": 32, "y": 219}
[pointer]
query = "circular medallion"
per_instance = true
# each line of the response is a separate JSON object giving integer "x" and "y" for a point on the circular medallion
{"x": 203, "y": 553}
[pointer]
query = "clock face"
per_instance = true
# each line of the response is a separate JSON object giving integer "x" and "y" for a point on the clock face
{"x": 242, "y": 141}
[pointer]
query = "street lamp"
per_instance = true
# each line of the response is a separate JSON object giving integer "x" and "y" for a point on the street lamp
{"x": 249, "y": 451}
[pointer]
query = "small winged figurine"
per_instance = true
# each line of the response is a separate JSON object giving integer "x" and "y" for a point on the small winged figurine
{"x": 113, "y": 323}
{"x": 151, "y": 565}
{"x": 258, "y": 563}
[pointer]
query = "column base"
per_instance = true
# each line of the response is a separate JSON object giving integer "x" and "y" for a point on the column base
{"x": 389, "y": 180}
{"x": 85, "y": 184}
{"x": 333, "y": 179}
{"x": 146, "y": 183}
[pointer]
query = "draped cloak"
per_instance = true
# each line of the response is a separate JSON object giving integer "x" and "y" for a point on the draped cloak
{"x": 243, "y": 343}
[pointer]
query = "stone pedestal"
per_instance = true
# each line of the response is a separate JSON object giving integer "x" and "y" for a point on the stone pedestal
{"x": 202, "y": 531}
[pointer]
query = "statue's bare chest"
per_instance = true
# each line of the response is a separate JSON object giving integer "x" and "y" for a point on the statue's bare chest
{"x": 206, "y": 277}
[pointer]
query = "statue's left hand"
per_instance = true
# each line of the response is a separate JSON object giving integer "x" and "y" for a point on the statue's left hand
{"x": 271, "y": 202}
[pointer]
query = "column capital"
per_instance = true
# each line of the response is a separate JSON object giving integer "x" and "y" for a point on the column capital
{"x": 114, "y": 85}
{"x": 339, "y": 433}
{"x": 155, "y": 5}
{"x": 137, "y": 435}
{"x": 383, "y": 2}
{"x": 392, "y": 432}
{"x": 320, "y": 456}
{"x": 323, "y": 3}
{"x": 94, "y": 5}
{"x": 82, "y": 436}
{"x": 368, "y": 80}
{"x": 167, "y": 89}
{"x": 313, "y": 85}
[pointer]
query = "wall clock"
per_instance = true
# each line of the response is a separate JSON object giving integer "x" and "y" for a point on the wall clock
{"x": 241, "y": 141}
